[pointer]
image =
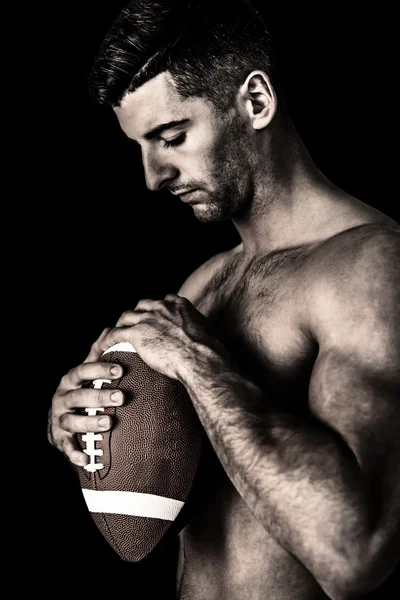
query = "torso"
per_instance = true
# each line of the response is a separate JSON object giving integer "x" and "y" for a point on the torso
{"x": 259, "y": 306}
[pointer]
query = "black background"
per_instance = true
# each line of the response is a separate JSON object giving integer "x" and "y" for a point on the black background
{"x": 98, "y": 240}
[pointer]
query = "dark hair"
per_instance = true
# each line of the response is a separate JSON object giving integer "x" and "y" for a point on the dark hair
{"x": 208, "y": 49}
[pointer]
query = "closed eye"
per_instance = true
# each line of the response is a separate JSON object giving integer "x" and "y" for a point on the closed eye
{"x": 175, "y": 141}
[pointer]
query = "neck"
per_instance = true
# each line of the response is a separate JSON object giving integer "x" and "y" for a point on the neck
{"x": 292, "y": 203}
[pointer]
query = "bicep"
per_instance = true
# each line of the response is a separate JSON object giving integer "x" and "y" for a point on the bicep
{"x": 362, "y": 406}
{"x": 355, "y": 382}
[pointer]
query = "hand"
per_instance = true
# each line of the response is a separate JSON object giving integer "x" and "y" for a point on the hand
{"x": 170, "y": 335}
{"x": 63, "y": 424}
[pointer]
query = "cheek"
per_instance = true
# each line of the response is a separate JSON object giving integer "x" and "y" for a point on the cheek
{"x": 198, "y": 158}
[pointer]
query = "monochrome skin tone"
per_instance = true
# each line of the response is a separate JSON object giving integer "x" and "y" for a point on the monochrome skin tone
{"x": 288, "y": 345}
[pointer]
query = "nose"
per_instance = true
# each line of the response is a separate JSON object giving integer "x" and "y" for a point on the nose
{"x": 158, "y": 172}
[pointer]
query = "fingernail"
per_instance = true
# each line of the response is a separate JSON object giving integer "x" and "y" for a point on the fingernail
{"x": 116, "y": 370}
{"x": 116, "y": 396}
{"x": 103, "y": 422}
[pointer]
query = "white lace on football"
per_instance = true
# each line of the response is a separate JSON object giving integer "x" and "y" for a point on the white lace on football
{"x": 92, "y": 438}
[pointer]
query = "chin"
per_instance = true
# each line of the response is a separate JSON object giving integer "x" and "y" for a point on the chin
{"x": 205, "y": 215}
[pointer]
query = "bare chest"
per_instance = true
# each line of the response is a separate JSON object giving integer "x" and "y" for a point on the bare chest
{"x": 259, "y": 309}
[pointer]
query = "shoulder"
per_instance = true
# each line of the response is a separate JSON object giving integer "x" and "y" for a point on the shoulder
{"x": 353, "y": 256}
{"x": 355, "y": 252}
{"x": 354, "y": 286}
{"x": 193, "y": 286}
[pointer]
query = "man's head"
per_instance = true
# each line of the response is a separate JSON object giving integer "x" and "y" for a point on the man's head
{"x": 209, "y": 69}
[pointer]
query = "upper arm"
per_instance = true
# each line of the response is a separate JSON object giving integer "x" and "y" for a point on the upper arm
{"x": 355, "y": 383}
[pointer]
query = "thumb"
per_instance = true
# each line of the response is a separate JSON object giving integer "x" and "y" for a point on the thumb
{"x": 95, "y": 350}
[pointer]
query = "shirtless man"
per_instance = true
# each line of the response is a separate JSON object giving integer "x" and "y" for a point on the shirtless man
{"x": 288, "y": 344}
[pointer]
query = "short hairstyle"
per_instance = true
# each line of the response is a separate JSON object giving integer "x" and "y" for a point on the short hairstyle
{"x": 208, "y": 48}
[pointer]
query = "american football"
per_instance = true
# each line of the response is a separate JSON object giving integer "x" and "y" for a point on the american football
{"x": 141, "y": 472}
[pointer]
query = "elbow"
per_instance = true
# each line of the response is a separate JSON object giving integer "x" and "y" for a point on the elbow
{"x": 354, "y": 579}
{"x": 346, "y": 588}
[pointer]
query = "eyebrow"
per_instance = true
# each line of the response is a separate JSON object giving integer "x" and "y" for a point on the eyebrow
{"x": 162, "y": 127}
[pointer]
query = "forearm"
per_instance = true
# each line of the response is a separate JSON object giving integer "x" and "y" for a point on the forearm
{"x": 298, "y": 478}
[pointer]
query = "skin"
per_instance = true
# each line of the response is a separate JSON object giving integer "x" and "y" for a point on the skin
{"x": 289, "y": 348}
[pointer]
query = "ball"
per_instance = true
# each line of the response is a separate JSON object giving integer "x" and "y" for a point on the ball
{"x": 138, "y": 483}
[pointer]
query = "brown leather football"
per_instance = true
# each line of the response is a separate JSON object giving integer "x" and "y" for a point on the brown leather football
{"x": 142, "y": 471}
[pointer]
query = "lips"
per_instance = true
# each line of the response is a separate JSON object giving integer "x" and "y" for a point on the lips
{"x": 187, "y": 196}
{"x": 182, "y": 193}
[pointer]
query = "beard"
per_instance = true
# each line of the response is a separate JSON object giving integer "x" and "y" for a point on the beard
{"x": 231, "y": 169}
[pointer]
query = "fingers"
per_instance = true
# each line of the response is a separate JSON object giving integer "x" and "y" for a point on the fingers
{"x": 70, "y": 447}
{"x": 80, "y": 424}
{"x": 88, "y": 398}
{"x": 63, "y": 424}
{"x": 117, "y": 335}
{"x": 132, "y": 317}
{"x": 176, "y": 299}
{"x": 63, "y": 430}
{"x": 95, "y": 351}
{"x": 128, "y": 318}
{"x": 88, "y": 372}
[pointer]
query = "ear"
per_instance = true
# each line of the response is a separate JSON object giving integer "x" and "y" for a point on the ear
{"x": 258, "y": 99}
